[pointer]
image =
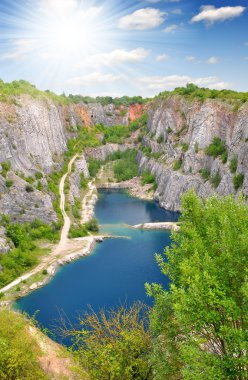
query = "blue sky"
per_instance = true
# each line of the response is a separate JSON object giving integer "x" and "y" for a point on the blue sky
{"x": 97, "y": 47}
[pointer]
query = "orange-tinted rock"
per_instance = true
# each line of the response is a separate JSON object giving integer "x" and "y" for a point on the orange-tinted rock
{"x": 135, "y": 111}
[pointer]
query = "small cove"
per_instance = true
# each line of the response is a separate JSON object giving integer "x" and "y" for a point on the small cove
{"x": 117, "y": 269}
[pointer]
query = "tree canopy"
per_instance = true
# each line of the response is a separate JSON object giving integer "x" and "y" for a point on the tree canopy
{"x": 201, "y": 321}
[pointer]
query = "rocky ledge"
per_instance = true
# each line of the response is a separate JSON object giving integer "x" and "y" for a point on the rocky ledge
{"x": 170, "y": 226}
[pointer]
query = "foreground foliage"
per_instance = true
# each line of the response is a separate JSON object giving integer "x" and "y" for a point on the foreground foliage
{"x": 201, "y": 322}
{"x": 19, "y": 353}
{"x": 114, "y": 344}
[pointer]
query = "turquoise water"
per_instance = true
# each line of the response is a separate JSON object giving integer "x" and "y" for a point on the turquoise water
{"x": 116, "y": 270}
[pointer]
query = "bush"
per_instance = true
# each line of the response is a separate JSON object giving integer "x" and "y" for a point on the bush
{"x": 238, "y": 180}
{"x": 6, "y": 166}
{"x": 20, "y": 352}
{"x": 205, "y": 173}
{"x": 185, "y": 147}
{"x": 83, "y": 181}
{"x": 9, "y": 183}
{"x": 224, "y": 157}
{"x": 38, "y": 175}
{"x": 216, "y": 180}
{"x": 160, "y": 139}
{"x": 77, "y": 231}
{"x": 216, "y": 148}
{"x": 114, "y": 344}
{"x": 94, "y": 166}
{"x": 92, "y": 225}
{"x": 233, "y": 164}
{"x": 177, "y": 164}
{"x": 116, "y": 134}
{"x": 29, "y": 189}
{"x": 126, "y": 167}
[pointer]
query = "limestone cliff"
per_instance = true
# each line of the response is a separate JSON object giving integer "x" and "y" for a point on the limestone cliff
{"x": 179, "y": 131}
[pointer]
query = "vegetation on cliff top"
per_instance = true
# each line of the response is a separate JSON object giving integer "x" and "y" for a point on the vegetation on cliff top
{"x": 190, "y": 91}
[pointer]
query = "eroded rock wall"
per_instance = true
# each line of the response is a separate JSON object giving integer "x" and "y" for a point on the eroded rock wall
{"x": 180, "y": 131}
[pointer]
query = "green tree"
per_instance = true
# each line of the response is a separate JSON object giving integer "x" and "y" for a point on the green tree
{"x": 207, "y": 301}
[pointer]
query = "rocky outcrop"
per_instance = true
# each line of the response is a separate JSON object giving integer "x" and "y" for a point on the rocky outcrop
{"x": 80, "y": 167}
{"x": 179, "y": 132}
{"x": 32, "y": 134}
{"x": 104, "y": 151}
{"x": 24, "y": 203}
{"x": 5, "y": 244}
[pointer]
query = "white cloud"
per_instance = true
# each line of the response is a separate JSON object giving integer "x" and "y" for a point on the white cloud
{"x": 122, "y": 56}
{"x": 162, "y": 57}
{"x": 210, "y": 14}
{"x": 213, "y": 60}
{"x": 142, "y": 19}
{"x": 159, "y": 83}
{"x": 171, "y": 28}
{"x": 190, "y": 58}
{"x": 20, "y": 49}
{"x": 95, "y": 78}
{"x": 115, "y": 57}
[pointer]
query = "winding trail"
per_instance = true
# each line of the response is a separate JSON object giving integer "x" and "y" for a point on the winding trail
{"x": 67, "y": 222}
{"x": 66, "y": 250}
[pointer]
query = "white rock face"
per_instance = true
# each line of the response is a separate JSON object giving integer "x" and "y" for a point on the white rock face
{"x": 31, "y": 134}
{"x": 194, "y": 124}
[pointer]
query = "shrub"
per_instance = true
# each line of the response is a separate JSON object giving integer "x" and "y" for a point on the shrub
{"x": 38, "y": 175}
{"x": 205, "y": 173}
{"x": 160, "y": 139}
{"x": 224, "y": 157}
{"x": 148, "y": 177}
{"x": 177, "y": 164}
{"x": 126, "y": 167}
{"x": 83, "y": 181}
{"x": 94, "y": 166}
{"x": 9, "y": 183}
{"x": 116, "y": 134}
{"x": 19, "y": 351}
{"x": 185, "y": 147}
{"x": 169, "y": 130}
{"x": 29, "y": 189}
{"x": 233, "y": 164}
{"x": 92, "y": 225}
{"x": 114, "y": 344}
{"x": 215, "y": 180}
{"x": 238, "y": 180}
{"x": 77, "y": 231}
{"x": 216, "y": 148}
{"x": 196, "y": 147}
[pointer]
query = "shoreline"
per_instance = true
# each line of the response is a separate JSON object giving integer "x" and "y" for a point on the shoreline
{"x": 134, "y": 187}
{"x": 72, "y": 249}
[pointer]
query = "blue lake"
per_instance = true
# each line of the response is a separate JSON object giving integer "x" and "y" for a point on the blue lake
{"x": 117, "y": 269}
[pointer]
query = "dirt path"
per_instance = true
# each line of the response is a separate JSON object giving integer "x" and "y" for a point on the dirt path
{"x": 65, "y": 246}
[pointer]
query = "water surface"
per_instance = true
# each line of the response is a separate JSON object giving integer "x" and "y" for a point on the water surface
{"x": 117, "y": 269}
